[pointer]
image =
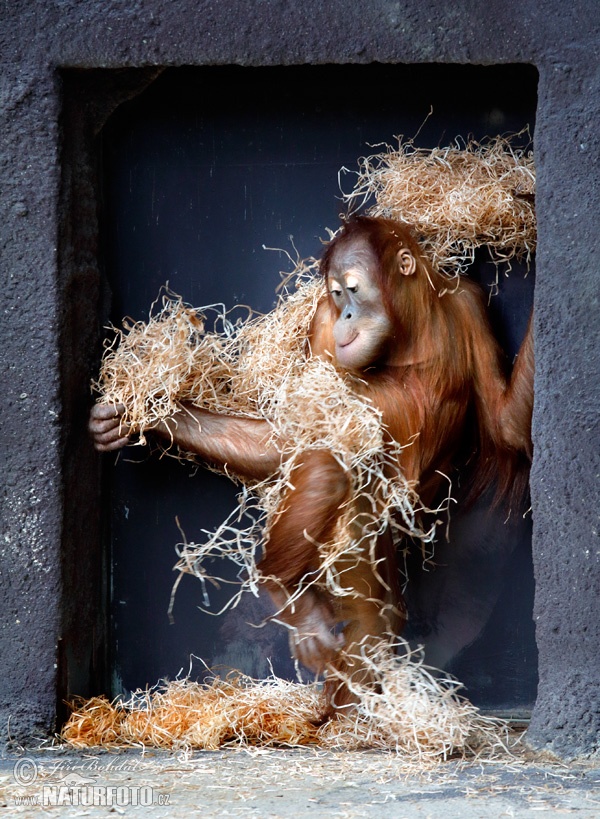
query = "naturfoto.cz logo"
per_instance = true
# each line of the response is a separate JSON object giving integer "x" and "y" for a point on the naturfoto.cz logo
{"x": 82, "y": 791}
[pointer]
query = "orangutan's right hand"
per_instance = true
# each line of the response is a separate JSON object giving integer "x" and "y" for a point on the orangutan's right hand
{"x": 106, "y": 427}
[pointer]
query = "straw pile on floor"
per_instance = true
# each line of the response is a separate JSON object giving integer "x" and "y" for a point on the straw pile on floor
{"x": 409, "y": 712}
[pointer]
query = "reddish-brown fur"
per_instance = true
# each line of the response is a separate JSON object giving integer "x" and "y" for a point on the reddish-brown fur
{"x": 441, "y": 386}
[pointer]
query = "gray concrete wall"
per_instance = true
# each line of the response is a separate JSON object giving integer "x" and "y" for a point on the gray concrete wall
{"x": 51, "y": 637}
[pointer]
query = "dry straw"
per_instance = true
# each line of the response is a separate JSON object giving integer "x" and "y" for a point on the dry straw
{"x": 457, "y": 199}
{"x": 261, "y": 368}
{"x": 421, "y": 718}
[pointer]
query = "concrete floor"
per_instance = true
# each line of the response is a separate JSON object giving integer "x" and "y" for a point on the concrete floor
{"x": 290, "y": 783}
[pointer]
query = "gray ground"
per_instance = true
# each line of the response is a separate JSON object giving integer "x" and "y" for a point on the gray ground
{"x": 290, "y": 783}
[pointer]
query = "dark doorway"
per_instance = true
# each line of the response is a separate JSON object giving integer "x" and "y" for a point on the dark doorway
{"x": 200, "y": 172}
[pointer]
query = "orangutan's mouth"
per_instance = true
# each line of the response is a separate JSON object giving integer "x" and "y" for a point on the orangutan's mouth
{"x": 348, "y": 343}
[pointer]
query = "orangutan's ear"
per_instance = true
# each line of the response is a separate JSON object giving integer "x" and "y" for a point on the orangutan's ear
{"x": 406, "y": 262}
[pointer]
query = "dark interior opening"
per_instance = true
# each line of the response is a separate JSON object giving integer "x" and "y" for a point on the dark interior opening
{"x": 201, "y": 171}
